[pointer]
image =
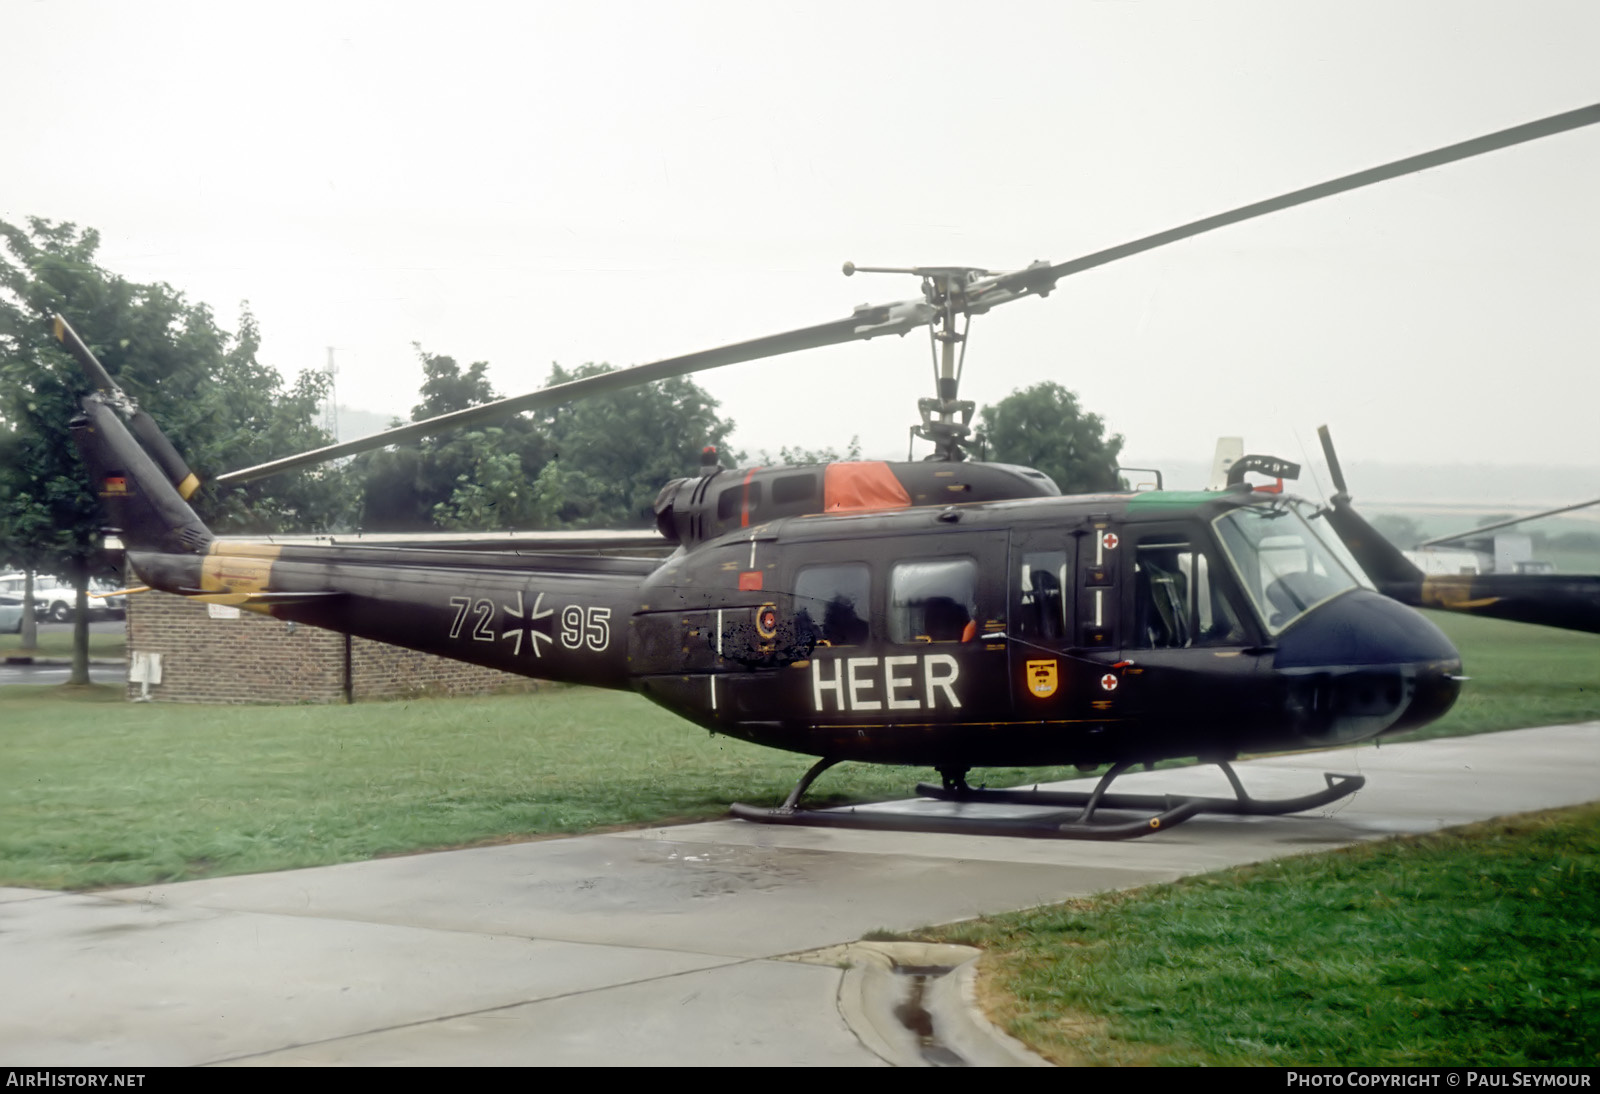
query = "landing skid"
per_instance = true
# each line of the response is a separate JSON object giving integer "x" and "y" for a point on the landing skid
{"x": 1075, "y": 817}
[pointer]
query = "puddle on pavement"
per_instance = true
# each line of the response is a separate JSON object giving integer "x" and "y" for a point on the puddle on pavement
{"x": 912, "y": 1014}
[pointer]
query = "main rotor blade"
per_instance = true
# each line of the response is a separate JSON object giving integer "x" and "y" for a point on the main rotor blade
{"x": 1041, "y": 279}
{"x": 866, "y": 322}
{"x": 1508, "y": 523}
{"x": 901, "y": 317}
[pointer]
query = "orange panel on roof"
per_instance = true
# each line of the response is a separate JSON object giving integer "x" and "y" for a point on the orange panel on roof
{"x": 867, "y": 484}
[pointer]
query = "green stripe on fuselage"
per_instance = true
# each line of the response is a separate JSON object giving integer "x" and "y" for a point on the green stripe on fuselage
{"x": 1173, "y": 499}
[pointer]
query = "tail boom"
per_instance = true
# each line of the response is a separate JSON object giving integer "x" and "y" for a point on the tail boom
{"x": 547, "y": 624}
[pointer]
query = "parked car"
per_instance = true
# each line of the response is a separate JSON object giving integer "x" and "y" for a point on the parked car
{"x": 10, "y": 614}
{"x": 53, "y": 598}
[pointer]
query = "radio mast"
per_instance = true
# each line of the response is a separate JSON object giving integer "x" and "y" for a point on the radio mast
{"x": 330, "y": 409}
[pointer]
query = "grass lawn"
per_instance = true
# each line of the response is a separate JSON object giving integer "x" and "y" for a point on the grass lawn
{"x": 58, "y": 643}
{"x": 1474, "y": 946}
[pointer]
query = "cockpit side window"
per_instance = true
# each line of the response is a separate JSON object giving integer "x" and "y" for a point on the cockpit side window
{"x": 933, "y": 600}
{"x": 833, "y": 603}
{"x": 1179, "y": 599}
{"x": 1043, "y": 577}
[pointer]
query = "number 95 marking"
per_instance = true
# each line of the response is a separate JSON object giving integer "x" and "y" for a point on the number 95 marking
{"x": 591, "y": 627}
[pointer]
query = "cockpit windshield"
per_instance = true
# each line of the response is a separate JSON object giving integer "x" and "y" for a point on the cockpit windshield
{"x": 1287, "y": 559}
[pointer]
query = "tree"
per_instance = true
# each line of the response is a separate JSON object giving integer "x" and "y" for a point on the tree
{"x": 27, "y": 523}
{"x": 477, "y": 479}
{"x": 800, "y": 457}
{"x": 614, "y": 453}
{"x": 217, "y": 403}
{"x": 1043, "y": 427}
{"x": 46, "y": 516}
{"x": 445, "y": 388}
{"x": 597, "y": 462}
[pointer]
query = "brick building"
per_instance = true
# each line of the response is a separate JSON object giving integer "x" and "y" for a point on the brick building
{"x": 212, "y": 654}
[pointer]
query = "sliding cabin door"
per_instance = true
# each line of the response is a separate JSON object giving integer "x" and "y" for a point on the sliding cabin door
{"x": 1065, "y": 622}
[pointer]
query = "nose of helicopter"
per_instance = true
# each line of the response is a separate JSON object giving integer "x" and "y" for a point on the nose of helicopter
{"x": 1363, "y": 664}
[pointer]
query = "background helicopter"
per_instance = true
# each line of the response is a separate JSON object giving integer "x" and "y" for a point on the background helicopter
{"x": 944, "y": 613}
{"x": 1569, "y": 601}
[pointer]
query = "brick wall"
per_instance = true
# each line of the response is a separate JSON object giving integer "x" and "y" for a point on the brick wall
{"x": 215, "y": 656}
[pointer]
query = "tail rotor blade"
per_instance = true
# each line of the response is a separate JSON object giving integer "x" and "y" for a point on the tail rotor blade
{"x": 92, "y": 368}
{"x": 155, "y": 442}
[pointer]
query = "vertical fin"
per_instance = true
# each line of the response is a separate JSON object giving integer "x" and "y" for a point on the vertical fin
{"x": 146, "y": 509}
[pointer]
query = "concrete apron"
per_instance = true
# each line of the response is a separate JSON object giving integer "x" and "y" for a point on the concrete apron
{"x": 703, "y": 944}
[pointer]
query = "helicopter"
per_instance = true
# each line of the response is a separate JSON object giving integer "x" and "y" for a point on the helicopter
{"x": 943, "y": 613}
{"x": 1569, "y": 601}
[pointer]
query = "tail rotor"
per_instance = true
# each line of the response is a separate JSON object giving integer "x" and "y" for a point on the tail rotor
{"x": 139, "y": 423}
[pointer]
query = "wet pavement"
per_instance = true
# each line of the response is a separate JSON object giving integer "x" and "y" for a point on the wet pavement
{"x": 699, "y": 944}
{"x": 57, "y": 672}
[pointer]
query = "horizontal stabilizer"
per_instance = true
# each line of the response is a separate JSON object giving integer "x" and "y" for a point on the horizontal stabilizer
{"x": 120, "y": 592}
{"x": 262, "y": 599}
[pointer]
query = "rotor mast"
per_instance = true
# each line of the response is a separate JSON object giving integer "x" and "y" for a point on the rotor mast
{"x": 946, "y": 418}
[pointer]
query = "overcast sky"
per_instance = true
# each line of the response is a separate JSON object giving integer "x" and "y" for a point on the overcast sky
{"x": 527, "y": 183}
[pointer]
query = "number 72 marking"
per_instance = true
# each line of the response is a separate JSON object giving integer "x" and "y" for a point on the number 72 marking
{"x": 480, "y": 630}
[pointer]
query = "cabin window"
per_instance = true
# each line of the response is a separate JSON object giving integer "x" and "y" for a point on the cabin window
{"x": 933, "y": 600}
{"x": 1044, "y": 573}
{"x": 792, "y": 488}
{"x": 1178, "y": 599}
{"x": 729, "y": 502}
{"x": 833, "y": 603}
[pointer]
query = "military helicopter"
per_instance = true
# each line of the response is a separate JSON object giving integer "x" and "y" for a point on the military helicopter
{"x": 1568, "y": 601}
{"x": 942, "y": 613}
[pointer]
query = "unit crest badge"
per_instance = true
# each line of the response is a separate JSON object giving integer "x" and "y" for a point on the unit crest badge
{"x": 1042, "y": 678}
